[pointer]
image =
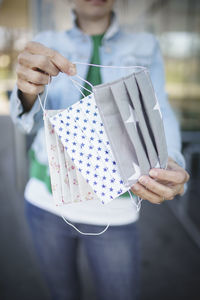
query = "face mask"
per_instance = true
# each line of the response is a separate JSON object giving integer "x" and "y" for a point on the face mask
{"x": 100, "y": 146}
{"x": 68, "y": 185}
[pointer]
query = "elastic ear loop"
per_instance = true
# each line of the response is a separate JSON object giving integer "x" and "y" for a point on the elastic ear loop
{"x": 85, "y": 233}
{"x": 45, "y": 99}
{"x": 139, "y": 200}
{"x": 76, "y": 83}
{"x": 113, "y": 67}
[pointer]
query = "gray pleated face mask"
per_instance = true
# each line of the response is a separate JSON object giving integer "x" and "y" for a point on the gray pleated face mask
{"x": 133, "y": 122}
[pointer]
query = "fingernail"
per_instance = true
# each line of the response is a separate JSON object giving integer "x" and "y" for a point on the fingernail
{"x": 143, "y": 179}
{"x": 71, "y": 65}
{"x": 153, "y": 173}
{"x": 72, "y": 70}
{"x": 135, "y": 187}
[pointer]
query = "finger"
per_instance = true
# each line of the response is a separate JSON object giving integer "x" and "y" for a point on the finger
{"x": 143, "y": 193}
{"x": 40, "y": 62}
{"x": 29, "y": 88}
{"x": 62, "y": 63}
{"x": 32, "y": 76}
{"x": 178, "y": 176}
{"x": 162, "y": 190}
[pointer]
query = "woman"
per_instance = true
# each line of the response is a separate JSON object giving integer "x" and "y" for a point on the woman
{"x": 114, "y": 256}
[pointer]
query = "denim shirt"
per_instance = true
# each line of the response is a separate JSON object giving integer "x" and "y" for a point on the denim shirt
{"x": 119, "y": 48}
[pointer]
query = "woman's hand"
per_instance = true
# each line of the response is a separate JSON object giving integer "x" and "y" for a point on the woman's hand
{"x": 35, "y": 64}
{"x": 162, "y": 184}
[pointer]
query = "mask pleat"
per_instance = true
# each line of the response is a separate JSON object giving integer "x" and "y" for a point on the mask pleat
{"x": 72, "y": 179}
{"x": 59, "y": 170}
{"x": 52, "y": 152}
{"x": 63, "y": 173}
{"x": 69, "y": 198}
{"x": 85, "y": 190}
{"x": 134, "y": 95}
{"x": 154, "y": 117}
{"x": 128, "y": 115}
{"x": 120, "y": 143}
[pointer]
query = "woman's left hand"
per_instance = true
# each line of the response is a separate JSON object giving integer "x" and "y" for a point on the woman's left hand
{"x": 162, "y": 184}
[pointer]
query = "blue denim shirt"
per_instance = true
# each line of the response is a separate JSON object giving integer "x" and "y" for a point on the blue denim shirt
{"x": 118, "y": 48}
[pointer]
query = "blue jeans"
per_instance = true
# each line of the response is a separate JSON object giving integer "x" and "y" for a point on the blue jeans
{"x": 113, "y": 256}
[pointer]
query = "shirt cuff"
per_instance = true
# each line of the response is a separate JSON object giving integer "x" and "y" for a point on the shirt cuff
{"x": 27, "y": 119}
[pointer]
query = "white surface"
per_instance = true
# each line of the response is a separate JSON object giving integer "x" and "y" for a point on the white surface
{"x": 120, "y": 211}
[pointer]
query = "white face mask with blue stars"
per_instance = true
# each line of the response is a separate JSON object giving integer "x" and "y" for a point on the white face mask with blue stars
{"x": 100, "y": 146}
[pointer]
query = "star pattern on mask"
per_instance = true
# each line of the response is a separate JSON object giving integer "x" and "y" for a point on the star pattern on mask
{"x": 157, "y": 166}
{"x": 86, "y": 142}
{"x": 157, "y": 107}
{"x": 136, "y": 174}
{"x": 131, "y": 118}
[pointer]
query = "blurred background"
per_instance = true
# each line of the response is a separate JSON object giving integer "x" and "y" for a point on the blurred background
{"x": 170, "y": 233}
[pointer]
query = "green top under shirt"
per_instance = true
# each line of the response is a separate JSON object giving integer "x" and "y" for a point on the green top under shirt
{"x": 40, "y": 171}
{"x": 94, "y": 74}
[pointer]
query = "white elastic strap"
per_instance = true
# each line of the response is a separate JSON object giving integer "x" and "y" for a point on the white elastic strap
{"x": 114, "y": 67}
{"x": 86, "y": 81}
{"x": 138, "y": 204}
{"x": 77, "y": 83}
{"x": 45, "y": 99}
{"x": 85, "y": 233}
{"x": 76, "y": 86}
{"x": 40, "y": 102}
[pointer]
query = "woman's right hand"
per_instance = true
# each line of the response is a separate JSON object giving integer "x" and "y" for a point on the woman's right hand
{"x": 35, "y": 64}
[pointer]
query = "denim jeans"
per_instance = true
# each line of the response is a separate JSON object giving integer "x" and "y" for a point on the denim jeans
{"x": 113, "y": 257}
